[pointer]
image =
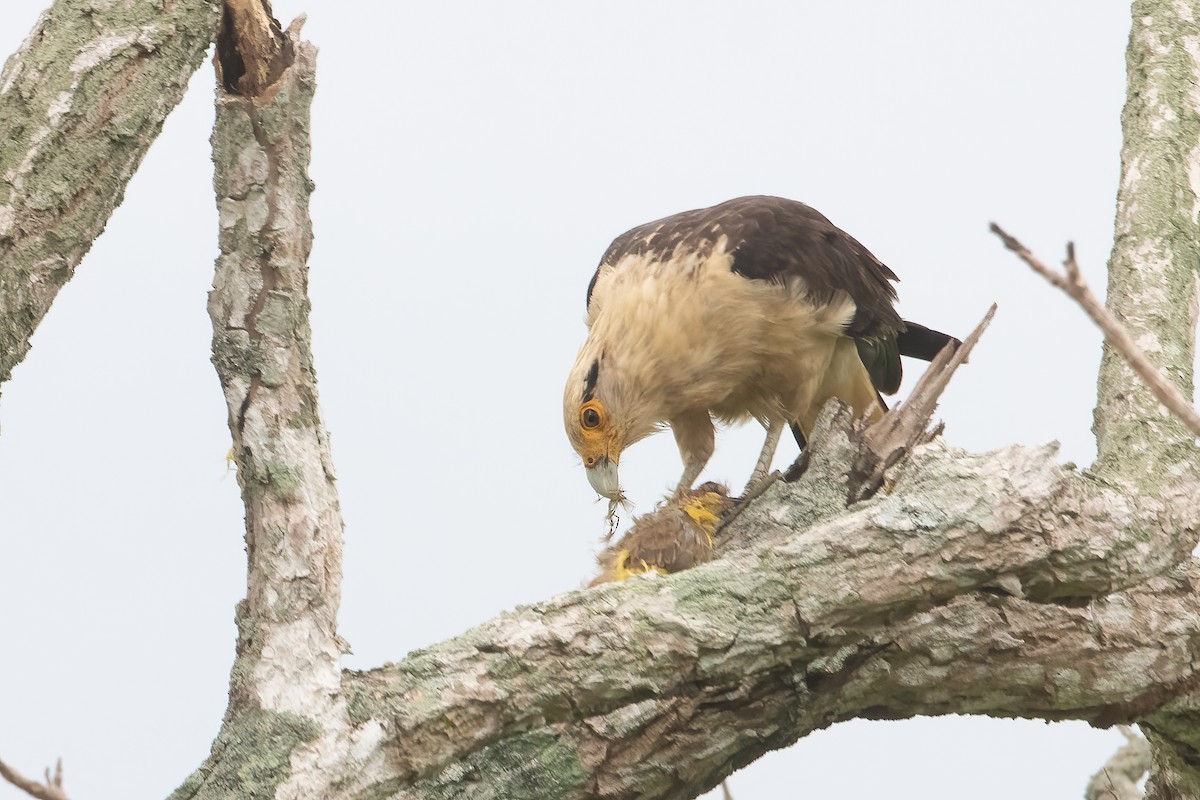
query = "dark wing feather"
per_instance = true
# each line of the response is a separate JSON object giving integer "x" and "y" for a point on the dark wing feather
{"x": 775, "y": 239}
{"x": 881, "y": 357}
{"x": 780, "y": 239}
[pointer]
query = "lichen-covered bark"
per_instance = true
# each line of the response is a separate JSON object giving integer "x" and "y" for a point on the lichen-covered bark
{"x": 964, "y": 591}
{"x": 999, "y": 583}
{"x": 80, "y": 104}
{"x": 285, "y": 688}
{"x": 1153, "y": 290}
{"x": 288, "y": 649}
{"x": 995, "y": 584}
{"x": 1152, "y": 272}
{"x": 1120, "y": 776}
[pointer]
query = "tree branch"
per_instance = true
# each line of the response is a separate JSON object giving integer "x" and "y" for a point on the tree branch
{"x": 890, "y": 439}
{"x": 80, "y": 104}
{"x": 252, "y": 48}
{"x": 1118, "y": 778}
{"x": 1073, "y": 284}
{"x": 284, "y": 689}
{"x": 52, "y": 789}
{"x": 262, "y": 352}
{"x": 1152, "y": 271}
{"x": 673, "y": 682}
{"x": 994, "y": 584}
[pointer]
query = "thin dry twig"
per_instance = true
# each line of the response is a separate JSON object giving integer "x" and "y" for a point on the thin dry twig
{"x": 52, "y": 789}
{"x": 1077, "y": 289}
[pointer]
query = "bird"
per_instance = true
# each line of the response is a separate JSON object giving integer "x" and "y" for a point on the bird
{"x": 756, "y": 308}
{"x": 675, "y": 536}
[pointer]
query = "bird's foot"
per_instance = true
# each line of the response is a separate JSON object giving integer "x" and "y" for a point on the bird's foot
{"x": 759, "y": 481}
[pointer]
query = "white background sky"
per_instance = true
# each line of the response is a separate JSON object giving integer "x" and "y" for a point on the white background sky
{"x": 473, "y": 160}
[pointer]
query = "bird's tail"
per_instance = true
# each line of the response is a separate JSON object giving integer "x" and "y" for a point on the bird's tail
{"x": 917, "y": 341}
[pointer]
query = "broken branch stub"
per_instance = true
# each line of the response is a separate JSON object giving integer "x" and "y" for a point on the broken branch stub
{"x": 888, "y": 441}
{"x": 252, "y": 49}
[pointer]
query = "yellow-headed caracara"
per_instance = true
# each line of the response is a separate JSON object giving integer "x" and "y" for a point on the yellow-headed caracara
{"x": 755, "y": 308}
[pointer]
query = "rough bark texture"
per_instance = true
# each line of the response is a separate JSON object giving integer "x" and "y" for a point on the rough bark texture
{"x": 1152, "y": 271}
{"x": 1000, "y": 584}
{"x": 809, "y": 619}
{"x": 285, "y": 688}
{"x": 80, "y": 104}
{"x": 1152, "y": 289}
{"x": 1118, "y": 779}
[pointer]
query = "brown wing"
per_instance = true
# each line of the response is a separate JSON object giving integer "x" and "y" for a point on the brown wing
{"x": 775, "y": 239}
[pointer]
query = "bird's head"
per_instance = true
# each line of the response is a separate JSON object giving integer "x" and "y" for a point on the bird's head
{"x": 602, "y": 417}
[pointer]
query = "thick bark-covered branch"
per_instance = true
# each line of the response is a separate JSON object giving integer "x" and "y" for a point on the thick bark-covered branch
{"x": 658, "y": 687}
{"x": 80, "y": 104}
{"x": 262, "y": 351}
{"x": 285, "y": 684}
{"x": 999, "y": 583}
{"x": 1152, "y": 271}
{"x": 995, "y": 584}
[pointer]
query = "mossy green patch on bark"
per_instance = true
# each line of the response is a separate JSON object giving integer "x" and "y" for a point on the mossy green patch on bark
{"x": 85, "y": 99}
{"x": 285, "y": 480}
{"x": 1176, "y": 749}
{"x": 533, "y": 766}
{"x": 234, "y": 355}
{"x": 1153, "y": 269}
{"x": 280, "y": 315}
{"x": 250, "y": 757}
{"x": 359, "y": 707}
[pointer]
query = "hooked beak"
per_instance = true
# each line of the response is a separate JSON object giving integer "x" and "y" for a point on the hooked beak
{"x": 603, "y": 477}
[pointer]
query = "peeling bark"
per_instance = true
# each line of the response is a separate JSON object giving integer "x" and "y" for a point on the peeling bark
{"x": 80, "y": 104}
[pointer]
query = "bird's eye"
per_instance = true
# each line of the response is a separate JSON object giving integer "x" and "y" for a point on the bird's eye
{"x": 590, "y": 418}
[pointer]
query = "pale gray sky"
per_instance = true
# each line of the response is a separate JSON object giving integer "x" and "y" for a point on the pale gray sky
{"x": 473, "y": 160}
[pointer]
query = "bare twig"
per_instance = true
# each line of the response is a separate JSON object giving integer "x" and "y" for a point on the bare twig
{"x": 1071, "y": 282}
{"x": 1118, "y": 778}
{"x": 725, "y": 793}
{"x": 52, "y": 789}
